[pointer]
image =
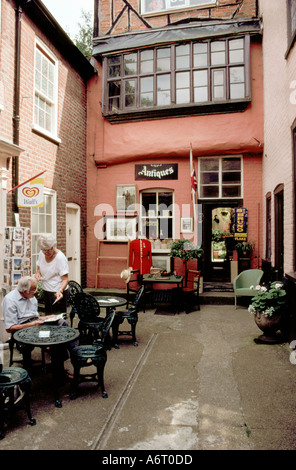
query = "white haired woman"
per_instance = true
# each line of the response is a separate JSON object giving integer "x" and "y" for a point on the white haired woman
{"x": 52, "y": 271}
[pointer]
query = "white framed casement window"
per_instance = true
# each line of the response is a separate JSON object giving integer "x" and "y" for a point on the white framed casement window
{"x": 157, "y": 213}
{"x": 220, "y": 177}
{"x": 45, "y": 92}
{"x": 43, "y": 220}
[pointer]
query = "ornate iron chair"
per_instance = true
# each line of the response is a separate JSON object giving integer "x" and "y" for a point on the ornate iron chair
{"x": 94, "y": 354}
{"x": 10, "y": 377}
{"x": 131, "y": 315}
{"x": 74, "y": 288}
{"x": 191, "y": 290}
{"x": 88, "y": 311}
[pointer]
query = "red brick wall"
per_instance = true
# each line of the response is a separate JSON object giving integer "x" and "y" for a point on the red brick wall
{"x": 64, "y": 162}
{"x": 226, "y": 9}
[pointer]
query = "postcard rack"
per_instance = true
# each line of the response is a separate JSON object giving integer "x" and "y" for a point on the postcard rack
{"x": 16, "y": 261}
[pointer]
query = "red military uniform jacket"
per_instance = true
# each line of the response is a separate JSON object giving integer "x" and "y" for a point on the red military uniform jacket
{"x": 140, "y": 255}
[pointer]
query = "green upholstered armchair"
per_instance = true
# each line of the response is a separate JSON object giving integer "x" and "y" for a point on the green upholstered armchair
{"x": 243, "y": 282}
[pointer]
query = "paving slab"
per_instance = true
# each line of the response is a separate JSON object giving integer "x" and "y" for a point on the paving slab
{"x": 195, "y": 382}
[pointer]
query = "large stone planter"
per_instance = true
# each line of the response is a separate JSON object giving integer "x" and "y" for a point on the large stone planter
{"x": 270, "y": 326}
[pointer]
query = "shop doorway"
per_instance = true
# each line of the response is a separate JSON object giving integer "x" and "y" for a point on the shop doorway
{"x": 218, "y": 241}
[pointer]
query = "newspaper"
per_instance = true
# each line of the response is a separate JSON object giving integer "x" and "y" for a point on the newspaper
{"x": 60, "y": 316}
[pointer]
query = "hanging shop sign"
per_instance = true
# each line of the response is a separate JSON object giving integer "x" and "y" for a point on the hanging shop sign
{"x": 156, "y": 171}
{"x": 240, "y": 223}
{"x": 30, "y": 194}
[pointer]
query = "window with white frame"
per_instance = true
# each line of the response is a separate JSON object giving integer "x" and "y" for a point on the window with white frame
{"x": 220, "y": 178}
{"x": 156, "y": 6}
{"x": 157, "y": 214}
{"x": 45, "y": 91}
{"x": 43, "y": 220}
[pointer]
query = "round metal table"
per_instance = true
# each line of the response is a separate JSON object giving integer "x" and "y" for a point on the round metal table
{"x": 108, "y": 301}
{"x": 53, "y": 336}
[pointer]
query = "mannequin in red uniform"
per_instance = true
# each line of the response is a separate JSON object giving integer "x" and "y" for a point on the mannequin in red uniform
{"x": 140, "y": 255}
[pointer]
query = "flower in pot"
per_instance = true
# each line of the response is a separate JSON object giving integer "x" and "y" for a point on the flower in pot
{"x": 185, "y": 250}
{"x": 267, "y": 307}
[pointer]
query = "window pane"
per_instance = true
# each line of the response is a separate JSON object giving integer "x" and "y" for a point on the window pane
{"x": 237, "y": 91}
{"x": 231, "y": 191}
{"x": 149, "y": 202}
{"x": 231, "y": 164}
{"x": 165, "y": 201}
{"x": 165, "y": 228}
{"x": 163, "y": 59}
{"x": 130, "y": 64}
{"x": 207, "y": 178}
{"x": 114, "y": 104}
{"x": 42, "y": 224}
{"x": 163, "y": 90}
{"x": 114, "y": 94}
{"x": 237, "y": 85}
{"x": 209, "y": 191}
{"x": 236, "y": 51}
{"x": 114, "y": 66}
{"x": 219, "y": 85}
{"x": 200, "y": 51}
{"x": 48, "y": 223}
{"x": 237, "y": 75}
{"x": 182, "y": 57}
{"x": 182, "y": 87}
{"x": 218, "y": 53}
{"x": 146, "y": 61}
{"x": 211, "y": 164}
{"x": 200, "y": 79}
{"x": 130, "y": 92}
{"x": 146, "y": 94}
{"x": 231, "y": 177}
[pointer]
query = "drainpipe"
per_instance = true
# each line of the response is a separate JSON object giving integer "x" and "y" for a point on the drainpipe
{"x": 16, "y": 117}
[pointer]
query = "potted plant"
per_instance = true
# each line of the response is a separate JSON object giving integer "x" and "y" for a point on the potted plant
{"x": 244, "y": 249}
{"x": 217, "y": 235}
{"x": 268, "y": 307}
{"x": 185, "y": 250}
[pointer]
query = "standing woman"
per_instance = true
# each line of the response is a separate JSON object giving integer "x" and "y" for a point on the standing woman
{"x": 52, "y": 271}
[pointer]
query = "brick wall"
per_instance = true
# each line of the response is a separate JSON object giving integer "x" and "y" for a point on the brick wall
{"x": 129, "y": 21}
{"x": 64, "y": 162}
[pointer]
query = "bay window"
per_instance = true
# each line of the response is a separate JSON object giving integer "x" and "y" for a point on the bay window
{"x": 195, "y": 74}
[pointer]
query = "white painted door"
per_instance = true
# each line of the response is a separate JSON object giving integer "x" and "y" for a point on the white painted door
{"x": 73, "y": 241}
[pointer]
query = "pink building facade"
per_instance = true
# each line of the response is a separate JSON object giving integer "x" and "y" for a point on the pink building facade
{"x": 169, "y": 80}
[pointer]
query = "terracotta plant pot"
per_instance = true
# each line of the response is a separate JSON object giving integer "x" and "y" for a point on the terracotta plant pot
{"x": 270, "y": 326}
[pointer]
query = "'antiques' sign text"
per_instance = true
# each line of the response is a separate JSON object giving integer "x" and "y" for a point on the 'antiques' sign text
{"x": 159, "y": 171}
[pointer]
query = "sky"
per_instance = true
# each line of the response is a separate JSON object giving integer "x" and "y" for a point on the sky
{"x": 68, "y": 12}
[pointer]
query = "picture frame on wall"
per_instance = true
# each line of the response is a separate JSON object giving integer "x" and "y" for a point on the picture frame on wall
{"x": 17, "y": 264}
{"x": 186, "y": 225}
{"x": 126, "y": 197}
{"x": 15, "y": 277}
{"x": 120, "y": 228}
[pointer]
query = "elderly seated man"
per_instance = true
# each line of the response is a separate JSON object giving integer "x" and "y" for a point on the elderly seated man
{"x": 20, "y": 310}
{"x": 20, "y": 306}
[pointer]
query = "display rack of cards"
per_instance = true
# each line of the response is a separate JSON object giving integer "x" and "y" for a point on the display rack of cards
{"x": 16, "y": 259}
